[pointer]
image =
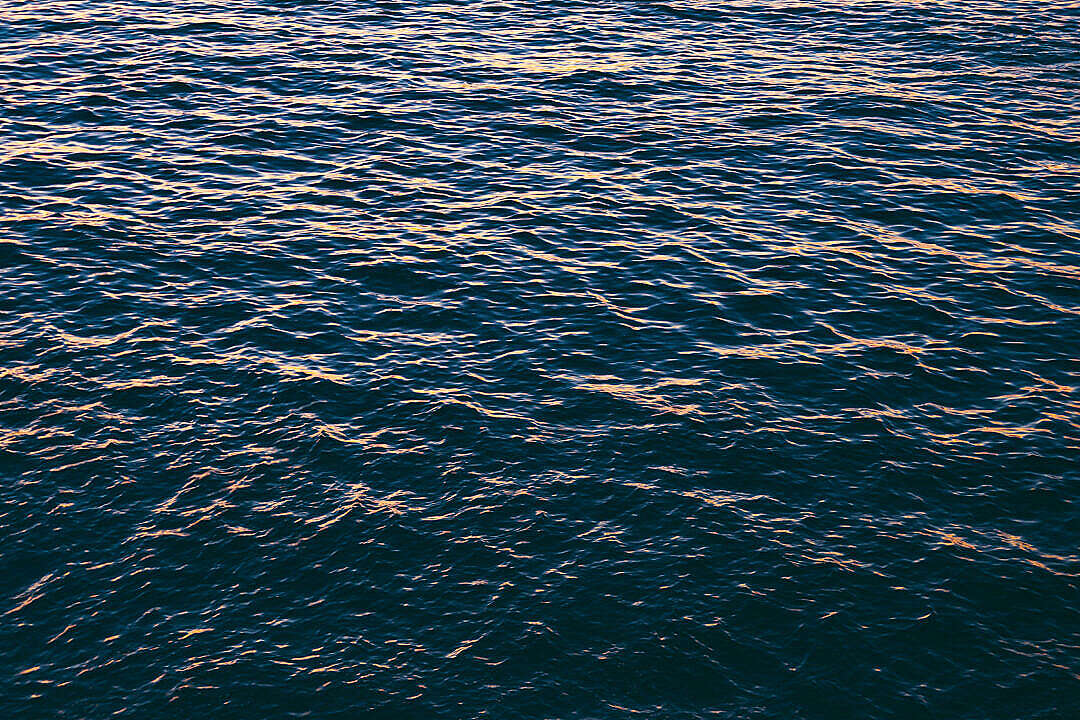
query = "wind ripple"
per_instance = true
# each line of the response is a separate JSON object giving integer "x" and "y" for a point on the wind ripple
{"x": 553, "y": 359}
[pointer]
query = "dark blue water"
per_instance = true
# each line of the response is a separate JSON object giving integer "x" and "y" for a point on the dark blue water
{"x": 540, "y": 359}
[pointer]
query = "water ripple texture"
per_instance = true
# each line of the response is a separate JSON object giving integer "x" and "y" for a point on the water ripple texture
{"x": 545, "y": 359}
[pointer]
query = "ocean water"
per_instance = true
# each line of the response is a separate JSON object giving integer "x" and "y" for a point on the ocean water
{"x": 550, "y": 359}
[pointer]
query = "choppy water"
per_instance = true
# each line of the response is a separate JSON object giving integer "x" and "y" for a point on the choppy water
{"x": 540, "y": 359}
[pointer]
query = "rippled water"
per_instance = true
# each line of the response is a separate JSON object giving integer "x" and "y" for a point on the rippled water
{"x": 540, "y": 359}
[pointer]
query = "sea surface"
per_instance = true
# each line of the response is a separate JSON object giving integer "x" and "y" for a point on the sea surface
{"x": 550, "y": 359}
